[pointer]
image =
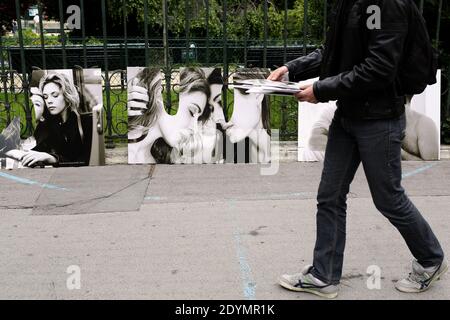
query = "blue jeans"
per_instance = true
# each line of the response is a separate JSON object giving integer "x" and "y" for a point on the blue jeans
{"x": 377, "y": 145}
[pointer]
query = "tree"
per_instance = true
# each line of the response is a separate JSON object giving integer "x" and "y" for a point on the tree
{"x": 237, "y": 26}
{"x": 8, "y": 11}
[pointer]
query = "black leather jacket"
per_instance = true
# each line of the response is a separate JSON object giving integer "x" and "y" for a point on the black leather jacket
{"x": 364, "y": 77}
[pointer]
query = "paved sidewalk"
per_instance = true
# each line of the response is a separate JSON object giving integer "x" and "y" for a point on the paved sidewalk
{"x": 196, "y": 232}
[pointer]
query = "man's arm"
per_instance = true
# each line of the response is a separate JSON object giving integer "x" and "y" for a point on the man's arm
{"x": 385, "y": 48}
{"x": 302, "y": 68}
{"x": 305, "y": 67}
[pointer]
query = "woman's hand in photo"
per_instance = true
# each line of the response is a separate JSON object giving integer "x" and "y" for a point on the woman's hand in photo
{"x": 137, "y": 99}
{"x": 38, "y": 102}
{"x": 227, "y": 125}
{"x": 278, "y": 74}
{"x": 306, "y": 94}
{"x": 33, "y": 157}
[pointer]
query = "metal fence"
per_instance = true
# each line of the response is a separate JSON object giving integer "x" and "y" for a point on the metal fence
{"x": 115, "y": 54}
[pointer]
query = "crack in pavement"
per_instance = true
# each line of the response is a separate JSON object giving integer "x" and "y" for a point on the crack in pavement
{"x": 15, "y": 207}
{"x": 160, "y": 200}
{"x": 99, "y": 198}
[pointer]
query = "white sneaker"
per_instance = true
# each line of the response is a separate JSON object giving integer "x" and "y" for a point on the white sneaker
{"x": 421, "y": 279}
{"x": 306, "y": 282}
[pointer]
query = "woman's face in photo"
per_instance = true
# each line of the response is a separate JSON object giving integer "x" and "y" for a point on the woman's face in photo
{"x": 216, "y": 102}
{"x": 250, "y": 109}
{"x": 54, "y": 98}
{"x": 192, "y": 103}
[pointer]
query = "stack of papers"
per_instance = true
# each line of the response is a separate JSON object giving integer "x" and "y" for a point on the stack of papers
{"x": 284, "y": 88}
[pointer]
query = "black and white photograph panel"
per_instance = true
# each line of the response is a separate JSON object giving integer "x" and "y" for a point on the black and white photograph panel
{"x": 210, "y": 125}
{"x": 189, "y": 136}
{"x": 313, "y": 132}
{"x": 66, "y": 103}
{"x": 423, "y": 118}
{"x": 250, "y": 118}
{"x": 199, "y": 114}
{"x": 421, "y": 141}
{"x": 314, "y": 122}
{"x": 146, "y": 113}
{"x": 215, "y": 81}
{"x": 89, "y": 82}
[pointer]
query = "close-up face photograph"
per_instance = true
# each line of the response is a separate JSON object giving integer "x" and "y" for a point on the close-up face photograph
{"x": 226, "y": 159}
{"x": 148, "y": 120}
{"x": 50, "y": 91}
{"x": 194, "y": 95}
{"x": 54, "y": 98}
{"x": 215, "y": 80}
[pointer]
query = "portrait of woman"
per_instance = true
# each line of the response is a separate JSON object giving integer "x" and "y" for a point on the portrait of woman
{"x": 158, "y": 137}
{"x": 63, "y": 135}
{"x": 251, "y": 117}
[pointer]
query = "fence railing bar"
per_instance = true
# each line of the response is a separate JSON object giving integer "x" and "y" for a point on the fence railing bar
{"x": 83, "y": 33}
{"x": 187, "y": 27}
{"x": 245, "y": 32}
{"x": 305, "y": 24}
{"x": 110, "y": 143}
{"x": 24, "y": 72}
{"x": 167, "y": 70}
{"x": 265, "y": 34}
{"x": 207, "y": 29}
{"x": 447, "y": 109}
{"x": 225, "y": 58}
{"x": 283, "y": 106}
{"x": 125, "y": 30}
{"x": 41, "y": 35}
{"x": 62, "y": 33}
{"x": 146, "y": 32}
{"x": 285, "y": 31}
{"x": 4, "y": 77}
{"x": 438, "y": 26}
{"x": 325, "y": 18}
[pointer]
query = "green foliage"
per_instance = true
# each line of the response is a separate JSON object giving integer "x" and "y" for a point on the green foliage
{"x": 30, "y": 38}
{"x": 237, "y": 24}
{"x": 93, "y": 41}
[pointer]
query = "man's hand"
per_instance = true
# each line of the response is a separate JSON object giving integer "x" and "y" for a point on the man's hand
{"x": 278, "y": 74}
{"x": 306, "y": 94}
{"x": 32, "y": 157}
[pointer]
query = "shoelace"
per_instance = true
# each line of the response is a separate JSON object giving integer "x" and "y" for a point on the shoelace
{"x": 419, "y": 278}
{"x": 308, "y": 285}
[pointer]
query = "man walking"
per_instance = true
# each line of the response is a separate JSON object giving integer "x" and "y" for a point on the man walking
{"x": 359, "y": 67}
